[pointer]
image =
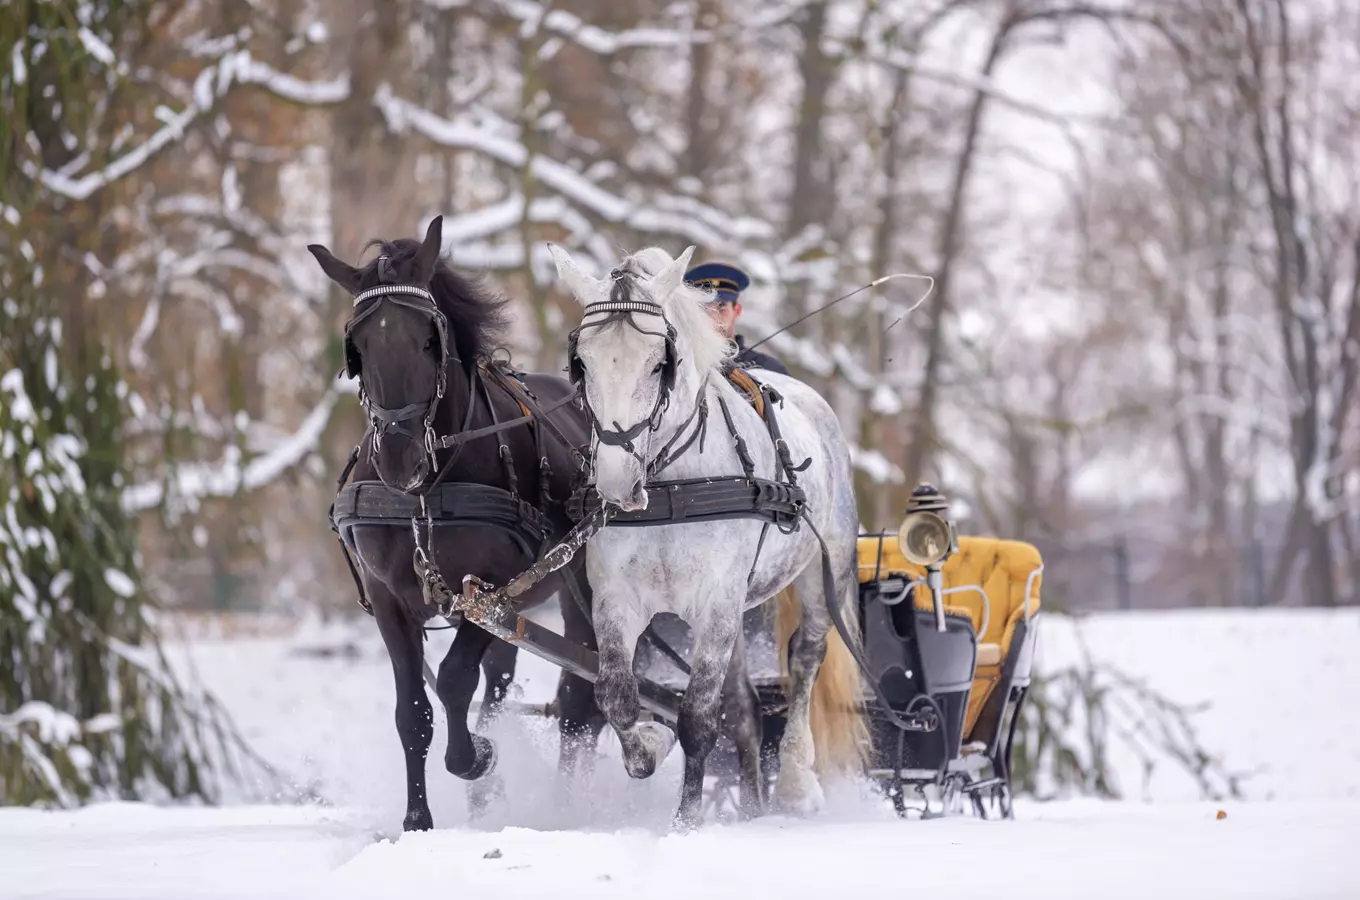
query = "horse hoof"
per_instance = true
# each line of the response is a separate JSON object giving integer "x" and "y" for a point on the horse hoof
{"x": 418, "y": 820}
{"x": 657, "y": 741}
{"x": 483, "y": 759}
{"x": 798, "y": 795}
{"x": 685, "y": 821}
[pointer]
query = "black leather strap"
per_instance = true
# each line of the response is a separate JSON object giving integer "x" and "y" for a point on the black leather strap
{"x": 372, "y": 502}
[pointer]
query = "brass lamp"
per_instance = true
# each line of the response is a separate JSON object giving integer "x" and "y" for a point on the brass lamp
{"x": 927, "y": 538}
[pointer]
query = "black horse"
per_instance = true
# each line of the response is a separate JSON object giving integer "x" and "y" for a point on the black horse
{"x": 443, "y": 433}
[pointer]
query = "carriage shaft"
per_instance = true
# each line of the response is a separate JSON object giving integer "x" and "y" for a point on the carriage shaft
{"x": 568, "y": 655}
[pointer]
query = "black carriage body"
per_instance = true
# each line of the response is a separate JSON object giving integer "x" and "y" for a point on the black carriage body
{"x": 919, "y": 669}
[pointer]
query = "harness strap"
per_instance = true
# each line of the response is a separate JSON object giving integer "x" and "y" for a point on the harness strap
{"x": 781, "y": 447}
{"x": 663, "y": 459}
{"x": 537, "y": 415}
{"x": 463, "y": 437}
{"x": 747, "y": 464}
{"x": 364, "y": 602}
{"x": 372, "y": 502}
{"x": 703, "y": 500}
{"x": 511, "y": 477}
{"x": 907, "y": 720}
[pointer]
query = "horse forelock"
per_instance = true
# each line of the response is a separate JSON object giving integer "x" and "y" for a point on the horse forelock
{"x": 477, "y": 316}
{"x": 686, "y": 308}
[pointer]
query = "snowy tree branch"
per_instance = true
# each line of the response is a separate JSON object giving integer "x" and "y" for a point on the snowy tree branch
{"x": 210, "y": 86}
{"x": 193, "y": 481}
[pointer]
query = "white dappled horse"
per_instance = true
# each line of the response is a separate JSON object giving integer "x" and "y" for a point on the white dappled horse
{"x": 651, "y": 399}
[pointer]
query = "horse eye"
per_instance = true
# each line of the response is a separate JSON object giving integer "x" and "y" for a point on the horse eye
{"x": 656, "y": 369}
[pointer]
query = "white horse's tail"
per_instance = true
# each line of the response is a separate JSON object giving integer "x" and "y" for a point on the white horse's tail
{"x": 840, "y": 732}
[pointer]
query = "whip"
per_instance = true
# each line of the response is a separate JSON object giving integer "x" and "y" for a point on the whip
{"x": 873, "y": 284}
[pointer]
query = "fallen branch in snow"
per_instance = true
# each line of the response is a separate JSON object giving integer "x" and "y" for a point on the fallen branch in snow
{"x": 1073, "y": 716}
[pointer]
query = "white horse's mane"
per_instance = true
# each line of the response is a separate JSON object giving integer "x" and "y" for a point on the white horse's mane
{"x": 686, "y": 308}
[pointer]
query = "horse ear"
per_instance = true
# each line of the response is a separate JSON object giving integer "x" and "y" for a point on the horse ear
{"x": 428, "y": 254}
{"x": 664, "y": 283}
{"x": 341, "y": 273}
{"x": 583, "y": 287}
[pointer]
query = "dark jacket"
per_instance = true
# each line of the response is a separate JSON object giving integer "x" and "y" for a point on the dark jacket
{"x": 755, "y": 359}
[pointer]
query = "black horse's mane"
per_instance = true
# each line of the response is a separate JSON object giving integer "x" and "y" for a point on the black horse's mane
{"x": 478, "y": 316}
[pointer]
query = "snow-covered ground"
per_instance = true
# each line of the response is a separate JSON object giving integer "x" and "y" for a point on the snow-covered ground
{"x": 1277, "y": 684}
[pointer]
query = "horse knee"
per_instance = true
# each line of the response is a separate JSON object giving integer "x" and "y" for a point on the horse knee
{"x": 616, "y": 695}
{"x": 699, "y": 721}
{"x": 806, "y": 653}
{"x": 455, "y": 676}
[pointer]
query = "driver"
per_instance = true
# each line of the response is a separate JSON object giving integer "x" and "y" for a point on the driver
{"x": 727, "y": 282}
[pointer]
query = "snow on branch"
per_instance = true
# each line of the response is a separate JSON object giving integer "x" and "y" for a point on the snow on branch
{"x": 210, "y": 86}
{"x": 197, "y": 480}
{"x": 684, "y": 217}
{"x": 563, "y": 24}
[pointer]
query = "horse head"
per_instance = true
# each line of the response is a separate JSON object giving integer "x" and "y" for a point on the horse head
{"x": 640, "y": 356}
{"x": 397, "y": 345}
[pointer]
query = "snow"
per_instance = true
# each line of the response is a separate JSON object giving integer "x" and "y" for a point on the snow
{"x": 316, "y": 700}
{"x": 1295, "y": 851}
{"x": 119, "y": 583}
{"x": 96, "y": 47}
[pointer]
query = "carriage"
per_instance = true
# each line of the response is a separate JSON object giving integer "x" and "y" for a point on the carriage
{"x": 941, "y": 628}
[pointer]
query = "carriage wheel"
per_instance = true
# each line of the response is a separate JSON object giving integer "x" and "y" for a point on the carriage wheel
{"x": 721, "y": 800}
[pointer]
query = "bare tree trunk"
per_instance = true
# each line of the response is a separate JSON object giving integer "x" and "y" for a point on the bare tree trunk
{"x": 698, "y": 139}
{"x": 925, "y": 441}
{"x": 807, "y": 202}
{"x": 1293, "y": 279}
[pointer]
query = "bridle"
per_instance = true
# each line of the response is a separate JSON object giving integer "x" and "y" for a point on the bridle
{"x": 383, "y": 419}
{"x": 621, "y": 306}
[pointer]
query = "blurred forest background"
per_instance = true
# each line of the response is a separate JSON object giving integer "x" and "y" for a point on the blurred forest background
{"x": 1142, "y": 217}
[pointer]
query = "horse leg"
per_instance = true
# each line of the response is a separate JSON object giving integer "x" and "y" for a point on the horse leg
{"x": 498, "y": 666}
{"x": 415, "y": 715}
{"x": 741, "y": 710}
{"x": 468, "y": 756}
{"x": 796, "y": 788}
{"x": 702, "y": 706}
{"x": 579, "y": 720}
{"x": 645, "y": 744}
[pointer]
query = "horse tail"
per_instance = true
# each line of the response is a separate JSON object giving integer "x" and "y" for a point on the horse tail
{"x": 840, "y": 732}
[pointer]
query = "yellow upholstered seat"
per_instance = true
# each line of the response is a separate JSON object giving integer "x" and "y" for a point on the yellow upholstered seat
{"x": 1004, "y": 569}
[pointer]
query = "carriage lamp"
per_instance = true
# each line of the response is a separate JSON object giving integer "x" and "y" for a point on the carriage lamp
{"x": 927, "y": 538}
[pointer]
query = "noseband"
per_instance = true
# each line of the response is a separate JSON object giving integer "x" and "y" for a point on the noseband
{"x": 381, "y": 418}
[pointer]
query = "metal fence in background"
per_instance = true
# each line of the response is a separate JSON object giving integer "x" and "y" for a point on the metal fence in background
{"x": 1127, "y": 574}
